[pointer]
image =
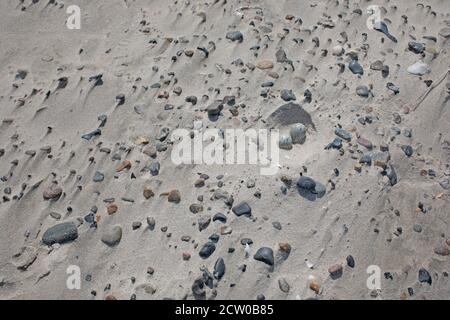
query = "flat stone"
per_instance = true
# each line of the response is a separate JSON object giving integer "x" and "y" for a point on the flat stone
{"x": 52, "y": 193}
{"x": 60, "y": 233}
{"x": 264, "y": 64}
{"x": 343, "y": 134}
{"x": 242, "y": 209}
{"x": 335, "y": 271}
{"x": 365, "y": 143}
{"x": 283, "y": 285}
{"x": 235, "y": 36}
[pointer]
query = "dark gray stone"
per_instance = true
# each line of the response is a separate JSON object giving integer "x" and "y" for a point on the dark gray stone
{"x": 60, "y": 233}
{"x": 265, "y": 255}
{"x": 207, "y": 250}
{"x": 242, "y": 209}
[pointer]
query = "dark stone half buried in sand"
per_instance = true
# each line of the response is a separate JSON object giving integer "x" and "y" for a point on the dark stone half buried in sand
{"x": 290, "y": 113}
{"x": 60, "y": 233}
{"x": 242, "y": 209}
{"x": 310, "y": 189}
{"x": 219, "y": 269}
{"x": 207, "y": 250}
{"x": 265, "y": 255}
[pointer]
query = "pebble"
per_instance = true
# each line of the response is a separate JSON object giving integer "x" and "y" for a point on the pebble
{"x": 220, "y": 217}
{"x": 283, "y": 285}
{"x": 174, "y": 196}
{"x": 112, "y": 208}
{"x": 203, "y": 223}
{"x": 365, "y": 143}
{"x": 241, "y": 209}
{"x": 98, "y": 177}
{"x": 112, "y": 236}
{"x": 355, "y": 67}
{"x": 442, "y": 250}
{"x": 264, "y": 64}
{"x": 419, "y": 68}
{"x": 148, "y": 193}
{"x": 298, "y": 133}
{"x": 350, "y": 261}
{"x": 265, "y": 255}
{"x": 235, "y": 36}
{"x": 52, "y": 193}
{"x": 60, "y": 233}
{"x": 287, "y": 95}
{"x": 424, "y": 276}
{"x": 285, "y": 142}
{"x": 219, "y": 269}
{"x": 343, "y": 134}
{"x": 207, "y": 250}
{"x": 363, "y": 91}
{"x": 335, "y": 271}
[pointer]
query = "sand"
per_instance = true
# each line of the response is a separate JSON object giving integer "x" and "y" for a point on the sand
{"x": 132, "y": 44}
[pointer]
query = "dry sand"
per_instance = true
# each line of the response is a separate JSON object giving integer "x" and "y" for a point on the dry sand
{"x": 47, "y": 103}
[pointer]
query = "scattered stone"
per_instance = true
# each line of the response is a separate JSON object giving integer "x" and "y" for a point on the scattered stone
{"x": 174, "y": 196}
{"x": 265, "y": 255}
{"x": 242, "y": 209}
{"x": 424, "y": 276}
{"x": 112, "y": 236}
{"x": 148, "y": 193}
{"x": 442, "y": 250}
{"x": 335, "y": 271}
{"x": 112, "y": 208}
{"x": 284, "y": 285}
{"x": 98, "y": 176}
{"x": 203, "y": 223}
{"x": 52, "y": 193}
{"x": 264, "y": 64}
{"x": 126, "y": 164}
{"x": 343, "y": 134}
{"x": 298, "y": 133}
{"x": 60, "y": 233}
{"x": 219, "y": 269}
{"x": 287, "y": 95}
{"x": 207, "y": 250}
{"x": 235, "y": 36}
{"x": 350, "y": 261}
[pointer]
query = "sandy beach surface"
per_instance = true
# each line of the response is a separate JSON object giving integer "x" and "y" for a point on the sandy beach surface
{"x": 358, "y": 207}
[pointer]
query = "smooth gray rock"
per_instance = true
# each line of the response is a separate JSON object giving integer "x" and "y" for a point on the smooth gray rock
{"x": 235, "y": 36}
{"x": 112, "y": 236}
{"x": 242, "y": 209}
{"x": 60, "y": 233}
